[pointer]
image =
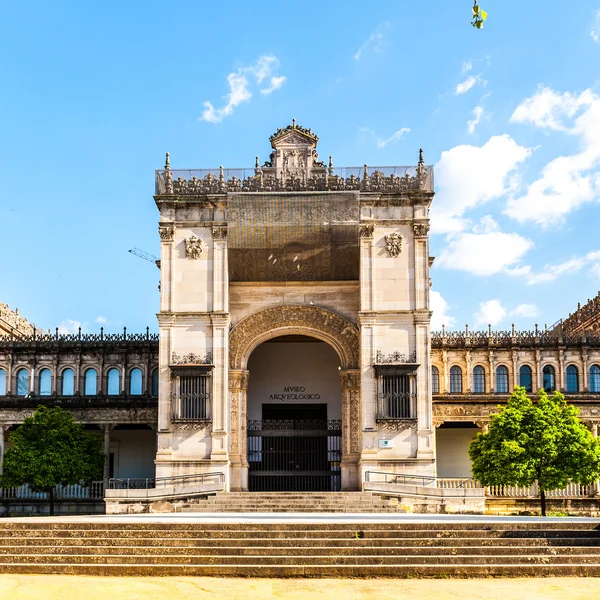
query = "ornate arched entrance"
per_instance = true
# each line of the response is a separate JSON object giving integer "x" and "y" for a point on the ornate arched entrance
{"x": 310, "y": 321}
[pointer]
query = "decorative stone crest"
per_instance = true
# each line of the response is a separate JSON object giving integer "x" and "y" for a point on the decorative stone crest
{"x": 397, "y": 425}
{"x": 193, "y": 247}
{"x": 393, "y": 244}
{"x": 365, "y": 230}
{"x": 195, "y": 426}
{"x": 294, "y": 164}
{"x": 192, "y": 359}
{"x": 166, "y": 233}
{"x": 421, "y": 230}
{"x": 219, "y": 233}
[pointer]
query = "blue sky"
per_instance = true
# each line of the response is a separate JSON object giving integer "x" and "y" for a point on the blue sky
{"x": 93, "y": 94}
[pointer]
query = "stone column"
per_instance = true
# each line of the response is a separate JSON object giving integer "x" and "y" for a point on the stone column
{"x": 2, "y": 429}
{"x": 238, "y": 453}
{"x": 220, "y": 270}
{"x": 366, "y": 265}
{"x": 537, "y": 375}
{"x": 469, "y": 378}
{"x": 351, "y": 429}
{"x": 596, "y": 487}
{"x": 107, "y": 429}
{"x": 585, "y": 376}
{"x": 445, "y": 374}
{"x": 425, "y": 441}
{"x": 220, "y": 400}
{"x": 514, "y": 377}
{"x": 560, "y": 379}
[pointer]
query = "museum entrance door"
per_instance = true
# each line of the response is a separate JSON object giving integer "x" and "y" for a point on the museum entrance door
{"x": 295, "y": 445}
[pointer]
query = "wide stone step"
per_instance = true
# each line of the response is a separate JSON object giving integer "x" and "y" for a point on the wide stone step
{"x": 299, "y": 570}
{"x": 142, "y": 551}
{"x": 307, "y": 559}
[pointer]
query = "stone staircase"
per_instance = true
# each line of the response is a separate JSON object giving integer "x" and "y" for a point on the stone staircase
{"x": 407, "y": 548}
{"x": 285, "y": 502}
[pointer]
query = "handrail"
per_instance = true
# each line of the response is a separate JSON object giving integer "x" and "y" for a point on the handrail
{"x": 423, "y": 480}
{"x": 140, "y": 483}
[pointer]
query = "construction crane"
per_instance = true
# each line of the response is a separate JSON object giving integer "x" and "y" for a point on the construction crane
{"x": 146, "y": 256}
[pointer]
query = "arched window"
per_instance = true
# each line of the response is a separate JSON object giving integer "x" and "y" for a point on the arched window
{"x": 45, "y": 382}
{"x": 525, "y": 379}
{"x": 572, "y": 379}
{"x": 68, "y": 382}
{"x": 456, "y": 380}
{"x": 155, "y": 383}
{"x": 114, "y": 382}
{"x": 2, "y": 382}
{"x": 135, "y": 382}
{"x": 549, "y": 378}
{"x": 90, "y": 383}
{"x": 502, "y": 380}
{"x": 22, "y": 382}
{"x": 479, "y": 380}
{"x": 435, "y": 380}
{"x": 594, "y": 378}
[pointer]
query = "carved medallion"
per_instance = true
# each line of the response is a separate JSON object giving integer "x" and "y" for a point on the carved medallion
{"x": 193, "y": 247}
{"x": 393, "y": 244}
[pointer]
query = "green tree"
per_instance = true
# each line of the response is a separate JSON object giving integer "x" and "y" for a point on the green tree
{"x": 543, "y": 442}
{"x": 51, "y": 448}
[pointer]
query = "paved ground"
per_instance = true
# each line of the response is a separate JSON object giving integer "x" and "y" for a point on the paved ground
{"x": 59, "y": 587}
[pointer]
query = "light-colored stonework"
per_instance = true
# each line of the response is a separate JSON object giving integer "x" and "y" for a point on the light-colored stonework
{"x": 383, "y": 308}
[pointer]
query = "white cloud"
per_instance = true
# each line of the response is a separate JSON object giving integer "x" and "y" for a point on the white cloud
{"x": 274, "y": 84}
{"x": 393, "y": 138}
{"x": 595, "y": 29}
{"x": 440, "y": 309}
{"x": 239, "y": 87}
{"x": 566, "y": 182}
{"x": 526, "y": 311}
{"x": 466, "y": 85}
{"x": 485, "y": 253}
{"x": 468, "y": 176}
{"x": 573, "y": 265}
{"x": 477, "y": 114}
{"x": 101, "y": 320}
{"x": 491, "y": 312}
{"x": 466, "y": 67}
{"x": 69, "y": 326}
{"x": 374, "y": 41}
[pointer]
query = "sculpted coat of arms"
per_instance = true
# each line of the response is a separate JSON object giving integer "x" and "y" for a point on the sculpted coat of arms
{"x": 393, "y": 244}
{"x": 294, "y": 163}
{"x": 193, "y": 247}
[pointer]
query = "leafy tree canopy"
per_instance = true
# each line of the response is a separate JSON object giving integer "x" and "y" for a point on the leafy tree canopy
{"x": 543, "y": 442}
{"x": 49, "y": 449}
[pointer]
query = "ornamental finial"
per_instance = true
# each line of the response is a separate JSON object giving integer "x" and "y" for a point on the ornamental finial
{"x": 167, "y": 162}
{"x": 294, "y": 123}
{"x": 421, "y": 161}
{"x": 256, "y": 162}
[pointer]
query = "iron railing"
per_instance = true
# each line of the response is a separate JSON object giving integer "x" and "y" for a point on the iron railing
{"x": 94, "y": 491}
{"x": 140, "y": 483}
{"x": 420, "y": 480}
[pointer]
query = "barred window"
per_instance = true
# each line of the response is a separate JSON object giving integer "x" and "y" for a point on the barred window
{"x": 595, "y": 378}
{"x": 549, "y": 378}
{"x": 435, "y": 380}
{"x": 456, "y": 386}
{"x": 479, "y": 380}
{"x": 525, "y": 379}
{"x": 396, "y": 398}
{"x": 572, "y": 379}
{"x": 502, "y": 380}
{"x": 193, "y": 397}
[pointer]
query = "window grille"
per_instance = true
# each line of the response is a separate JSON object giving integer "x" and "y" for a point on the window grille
{"x": 193, "y": 397}
{"x": 456, "y": 386}
{"x": 479, "y": 380}
{"x": 572, "y": 379}
{"x": 396, "y": 396}
{"x": 549, "y": 379}
{"x": 435, "y": 380}
{"x": 502, "y": 380}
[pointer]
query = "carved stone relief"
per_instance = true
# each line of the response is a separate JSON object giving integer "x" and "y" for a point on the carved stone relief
{"x": 366, "y": 230}
{"x": 193, "y": 247}
{"x": 166, "y": 233}
{"x": 393, "y": 244}
{"x": 400, "y": 425}
{"x": 421, "y": 230}
{"x": 219, "y": 233}
{"x": 195, "y": 426}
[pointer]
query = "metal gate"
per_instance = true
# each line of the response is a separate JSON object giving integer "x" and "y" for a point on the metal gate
{"x": 294, "y": 455}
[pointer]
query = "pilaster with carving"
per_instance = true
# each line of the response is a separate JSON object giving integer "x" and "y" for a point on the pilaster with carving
{"x": 238, "y": 454}
{"x": 351, "y": 427}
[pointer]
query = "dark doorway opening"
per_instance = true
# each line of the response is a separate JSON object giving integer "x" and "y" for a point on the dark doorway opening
{"x": 287, "y": 412}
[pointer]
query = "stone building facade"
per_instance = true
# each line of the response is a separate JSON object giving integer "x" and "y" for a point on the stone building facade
{"x": 294, "y": 348}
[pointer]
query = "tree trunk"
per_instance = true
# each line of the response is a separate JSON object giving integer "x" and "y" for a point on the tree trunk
{"x": 51, "y": 498}
{"x": 543, "y": 502}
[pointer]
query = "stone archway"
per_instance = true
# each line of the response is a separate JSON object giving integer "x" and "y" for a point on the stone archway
{"x": 311, "y": 321}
